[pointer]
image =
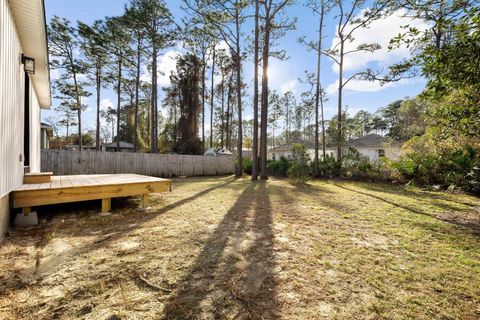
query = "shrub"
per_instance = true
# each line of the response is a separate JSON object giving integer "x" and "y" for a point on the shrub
{"x": 191, "y": 146}
{"x": 446, "y": 163}
{"x": 299, "y": 172}
{"x": 247, "y": 165}
{"x": 279, "y": 168}
{"x": 329, "y": 168}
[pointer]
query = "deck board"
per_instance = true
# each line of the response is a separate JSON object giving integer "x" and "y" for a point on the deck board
{"x": 87, "y": 187}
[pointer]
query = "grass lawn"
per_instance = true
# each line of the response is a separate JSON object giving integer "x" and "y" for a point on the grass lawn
{"x": 224, "y": 248}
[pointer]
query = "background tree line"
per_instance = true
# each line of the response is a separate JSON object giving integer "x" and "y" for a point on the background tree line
{"x": 122, "y": 53}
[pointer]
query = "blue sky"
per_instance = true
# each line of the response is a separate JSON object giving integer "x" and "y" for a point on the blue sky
{"x": 283, "y": 74}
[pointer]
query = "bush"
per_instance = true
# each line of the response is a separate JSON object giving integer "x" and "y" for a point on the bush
{"x": 299, "y": 171}
{"x": 448, "y": 163}
{"x": 279, "y": 168}
{"x": 192, "y": 146}
{"x": 247, "y": 165}
{"x": 329, "y": 168}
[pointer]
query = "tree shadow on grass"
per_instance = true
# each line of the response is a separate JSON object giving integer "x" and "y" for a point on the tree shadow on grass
{"x": 232, "y": 277}
{"x": 115, "y": 228}
{"x": 472, "y": 227}
{"x": 426, "y": 196}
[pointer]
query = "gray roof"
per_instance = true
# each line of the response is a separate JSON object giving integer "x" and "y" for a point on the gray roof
{"x": 46, "y": 126}
{"x": 369, "y": 141}
{"x": 123, "y": 145}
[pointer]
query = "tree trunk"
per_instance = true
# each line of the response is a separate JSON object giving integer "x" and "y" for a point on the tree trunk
{"x": 212, "y": 97}
{"x": 264, "y": 111}
{"x": 119, "y": 95}
{"x": 98, "y": 83}
{"x": 229, "y": 110}
{"x": 255, "y": 97}
{"x": 318, "y": 93}
{"x": 137, "y": 89}
{"x": 153, "y": 117}
{"x": 287, "y": 123}
{"x": 203, "y": 101}
{"x": 340, "y": 92}
{"x": 79, "y": 104}
{"x": 222, "y": 113}
{"x": 238, "y": 64}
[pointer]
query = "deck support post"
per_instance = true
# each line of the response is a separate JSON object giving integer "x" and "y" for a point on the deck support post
{"x": 145, "y": 201}
{"x": 106, "y": 205}
{"x": 26, "y": 211}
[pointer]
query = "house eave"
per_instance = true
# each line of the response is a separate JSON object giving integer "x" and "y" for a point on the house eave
{"x": 30, "y": 22}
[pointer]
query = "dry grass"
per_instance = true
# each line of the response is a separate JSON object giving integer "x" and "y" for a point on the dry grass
{"x": 224, "y": 248}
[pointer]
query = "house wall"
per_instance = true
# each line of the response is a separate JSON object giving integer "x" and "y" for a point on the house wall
{"x": 311, "y": 153}
{"x": 12, "y": 95}
{"x": 371, "y": 153}
{"x": 11, "y": 102}
{"x": 35, "y": 131}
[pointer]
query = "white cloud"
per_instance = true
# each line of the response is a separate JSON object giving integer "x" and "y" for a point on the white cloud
{"x": 290, "y": 85}
{"x": 105, "y": 103}
{"x": 380, "y": 31}
{"x": 166, "y": 64}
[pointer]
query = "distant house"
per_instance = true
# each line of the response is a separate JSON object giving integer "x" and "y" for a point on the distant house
{"x": 24, "y": 90}
{"x": 285, "y": 150}
{"x": 46, "y": 132}
{"x": 124, "y": 147}
{"x": 372, "y": 146}
{"x": 375, "y": 146}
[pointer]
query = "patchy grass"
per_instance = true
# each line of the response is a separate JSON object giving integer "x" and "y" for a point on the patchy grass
{"x": 225, "y": 248}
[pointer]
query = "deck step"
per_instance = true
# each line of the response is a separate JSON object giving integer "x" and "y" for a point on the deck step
{"x": 37, "y": 177}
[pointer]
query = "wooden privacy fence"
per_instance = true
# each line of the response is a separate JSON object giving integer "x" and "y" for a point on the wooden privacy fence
{"x": 63, "y": 162}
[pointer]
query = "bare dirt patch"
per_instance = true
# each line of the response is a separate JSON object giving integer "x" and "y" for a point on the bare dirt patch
{"x": 224, "y": 248}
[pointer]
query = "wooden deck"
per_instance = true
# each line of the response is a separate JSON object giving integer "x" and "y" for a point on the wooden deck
{"x": 64, "y": 189}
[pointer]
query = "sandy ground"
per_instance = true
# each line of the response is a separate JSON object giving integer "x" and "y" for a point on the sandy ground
{"x": 225, "y": 248}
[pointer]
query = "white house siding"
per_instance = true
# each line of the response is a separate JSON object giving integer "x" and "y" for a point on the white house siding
{"x": 11, "y": 101}
{"x": 371, "y": 153}
{"x": 35, "y": 132}
{"x": 12, "y": 78}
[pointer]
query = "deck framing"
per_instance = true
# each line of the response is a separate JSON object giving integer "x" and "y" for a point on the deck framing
{"x": 64, "y": 189}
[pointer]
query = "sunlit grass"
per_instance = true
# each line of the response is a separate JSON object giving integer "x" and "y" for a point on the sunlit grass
{"x": 227, "y": 248}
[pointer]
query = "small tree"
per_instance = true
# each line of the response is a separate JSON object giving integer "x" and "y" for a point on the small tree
{"x": 63, "y": 45}
{"x": 93, "y": 48}
{"x": 352, "y": 16}
{"x": 300, "y": 169}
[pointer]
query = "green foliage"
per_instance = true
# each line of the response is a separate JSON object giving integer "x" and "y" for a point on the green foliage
{"x": 247, "y": 165}
{"x": 299, "y": 171}
{"x": 190, "y": 146}
{"x": 445, "y": 164}
{"x": 279, "y": 168}
{"x": 329, "y": 168}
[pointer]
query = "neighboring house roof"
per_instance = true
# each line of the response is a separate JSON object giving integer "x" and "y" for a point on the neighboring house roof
{"x": 368, "y": 141}
{"x": 46, "y": 126}
{"x": 31, "y": 26}
{"x": 123, "y": 145}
